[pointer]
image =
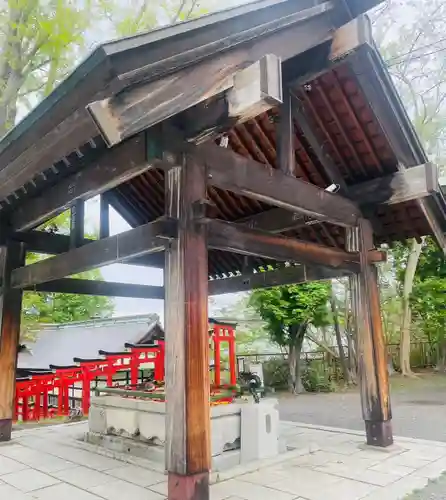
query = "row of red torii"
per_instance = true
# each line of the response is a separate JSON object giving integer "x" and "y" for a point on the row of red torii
{"x": 34, "y": 389}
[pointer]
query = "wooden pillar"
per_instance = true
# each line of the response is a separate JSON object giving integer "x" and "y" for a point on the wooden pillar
{"x": 77, "y": 224}
{"x": 285, "y": 133}
{"x": 11, "y": 256}
{"x": 104, "y": 218}
{"x": 372, "y": 363}
{"x": 188, "y": 454}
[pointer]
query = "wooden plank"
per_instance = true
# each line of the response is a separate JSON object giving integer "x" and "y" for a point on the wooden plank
{"x": 112, "y": 168}
{"x": 54, "y": 244}
{"x": 77, "y": 223}
{"x": 285, "y": 276}
{"x": 12, "y": 256}
{"x": 188, "y": 454}
{"x": 104, "y": 218}
{"x": 142, "y": 240}
{"x": 244, "y": 282}
{"x": 241, "y": 175}
{"x": 236, "y": 238}
{"x": 406, "y": 185}
{"x": 144, "y": 105}
{"x": 372, "y": 357}
{"x": 103, "y": 288}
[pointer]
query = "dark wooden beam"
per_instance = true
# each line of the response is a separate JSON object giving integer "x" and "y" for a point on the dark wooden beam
{"x": 11, "y": 256}
{"x": 241, "y": 283}
{"x": 411, "y": 184}
{"x": 77, "y": 223}
{"x": 268, "y": 279}
{"x": 188, "y": 447}
{"x": 54, "y": 244}
{"x": 241, "y": 175}
{"x": 406, "y": 185}
{"x": 112, "y": 168}
{"x": 285, "y": 139}
{"x": 144, "y": 105}
{"x": 104, "y": 218}
{"x": 372, "y": 357}
{"x": 145, "y": 239}
{"x": 103, "y": 288}
{"x": 236, "y": 238}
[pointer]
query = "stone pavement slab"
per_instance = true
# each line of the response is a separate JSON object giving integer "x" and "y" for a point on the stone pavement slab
{"x": 119, "y": 490}
{"x": 62, "y": 491}
{"x": 29, "y": 480}
{"x": 325, "y": 464}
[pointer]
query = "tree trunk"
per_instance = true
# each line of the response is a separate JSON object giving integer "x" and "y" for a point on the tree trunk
{"x": 297, "y": 335}
{"x": 292, "y": 369}
{"x": 299, "y": 343}
{"x": 342, "y": 358}
{"x": 409, "y": 276}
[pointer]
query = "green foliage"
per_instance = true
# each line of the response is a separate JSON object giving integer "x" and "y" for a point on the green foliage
{"x": 284, "y": 307}
{"x": 316, "y": 379}
{"x": 429, "y": 292}
{"x": 275, "y": 373}
{"x": 428, "y": 303}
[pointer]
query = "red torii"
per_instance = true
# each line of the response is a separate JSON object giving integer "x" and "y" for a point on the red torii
{"x": 223, "y": 332}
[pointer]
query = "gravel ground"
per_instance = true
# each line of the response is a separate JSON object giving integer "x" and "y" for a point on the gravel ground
{"x": 435, "y": 490}
{"x": 418, "y": 408}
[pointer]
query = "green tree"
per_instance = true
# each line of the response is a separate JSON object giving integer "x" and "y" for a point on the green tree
{"x": 41, "y": 307}
{"x": 411, "y": 38}
{"x": 428, "y": 299}
{"x": 288, "y": 311}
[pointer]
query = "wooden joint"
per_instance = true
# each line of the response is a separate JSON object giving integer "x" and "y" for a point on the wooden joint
{"x": 256, "y": 89}
{"x": 203, "y": 210}
{"x": 168, "y": 227}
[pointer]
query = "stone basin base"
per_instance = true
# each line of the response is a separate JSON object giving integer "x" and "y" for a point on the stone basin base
{"x": 240, "y": 432}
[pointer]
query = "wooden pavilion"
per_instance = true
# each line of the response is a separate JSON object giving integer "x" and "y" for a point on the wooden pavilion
{"x": 268, "y": 137}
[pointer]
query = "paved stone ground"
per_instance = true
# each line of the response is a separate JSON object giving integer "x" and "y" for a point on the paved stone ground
{"x": 418, "y": 407}
{"x": 326, "y": 464}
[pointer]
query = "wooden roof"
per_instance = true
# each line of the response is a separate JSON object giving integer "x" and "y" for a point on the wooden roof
{"x": 353, "y": 116}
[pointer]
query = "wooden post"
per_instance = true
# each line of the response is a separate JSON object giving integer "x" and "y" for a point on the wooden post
{"x": 187, "y": 342}
{"x": 77, "y": 223}
{"x": 104, "y": 218}
{"x": 372, "y": 364}
{"x": 11, "y": 256}
{"x": 285, "y": 132}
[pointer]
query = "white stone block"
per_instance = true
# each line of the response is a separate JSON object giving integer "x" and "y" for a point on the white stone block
{"x": 97, "y": 421}
{"x": 259, "y": 431}
{"x": 151, "y": 422}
